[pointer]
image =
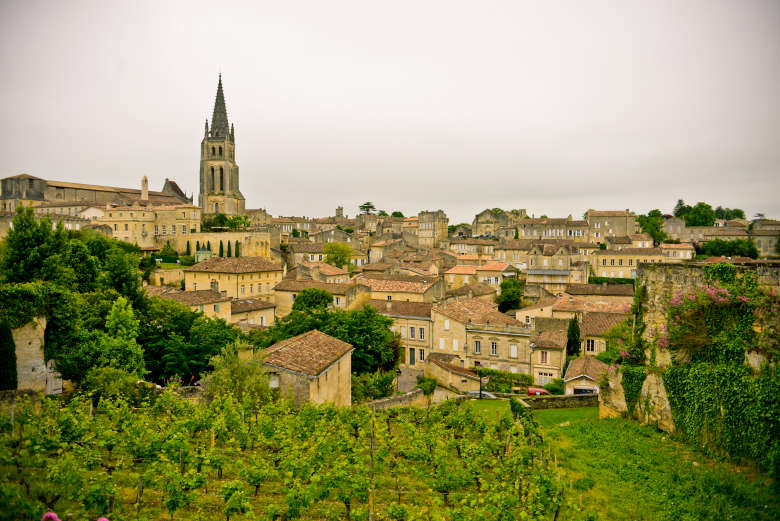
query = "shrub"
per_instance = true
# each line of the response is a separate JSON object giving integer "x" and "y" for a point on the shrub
{"x": 503, "y": 381}
{"x": 555, "y": 386}
{"x": 372, "y": 386}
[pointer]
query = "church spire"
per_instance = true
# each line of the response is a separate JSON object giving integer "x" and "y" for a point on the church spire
{"x": 219, "y": 120}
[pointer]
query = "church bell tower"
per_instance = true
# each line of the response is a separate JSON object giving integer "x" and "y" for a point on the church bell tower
{"x": 219, "y": 191}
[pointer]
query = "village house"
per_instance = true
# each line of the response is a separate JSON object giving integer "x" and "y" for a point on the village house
{"x": 234, "y": 277}
{"x": 207, "y": 301}
{"x": 678, "y": 252}
{"x": 445, "y": 369}
{"x": 515, "y": 252}
{"x": 622, "y": 294}
{"x": 403, "y": 287}
{"x": 473, "y": 290}
{"x": 766, "y": 241}
{"x": 431, "y": 228}
{"x": 305, "y": 252}
{"x": 412, "y": 322}
{"x": 333, "y": 235}
{"x": 553, "y": 228}
{"x": 583, "y": 375}
{"x": 312, "y": 367}
{"x": 552, "y": 266}
{"x": 345, "y": 295}
{"x": 479, "y": 335}
{"x": 322, "y": 272}
{"x": 623, "y": 263}
{"x": 488, "y": 222}
{"x": 610, "y": 223}
{"x": 252, "y": 312}
{"x": 474, "y": 246}
{"x": 641, "y": 240}
{"x": 593, "y": 327}
{"x": 379, "y": 250}
{"x": 548, "y": 349}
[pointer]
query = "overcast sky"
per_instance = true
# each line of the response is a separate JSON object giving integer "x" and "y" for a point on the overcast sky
{"x": 554, "y": 106}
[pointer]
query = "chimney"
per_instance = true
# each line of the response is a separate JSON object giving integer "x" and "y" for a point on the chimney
{"x": 144, "y": 189}
{"x": 215, "y": 285}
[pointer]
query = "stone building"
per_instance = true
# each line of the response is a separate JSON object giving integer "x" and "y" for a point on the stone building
{"x": 548, "y": 349}
{"x": 553, "y": 228}
{"x": 403, "y": 287}
{"x": 583, "y": 375}
{"x": 412, "y": 321}
{"x": 431, "y": 228}
{"x": 219, "y": 190}
{"x": 312, "y": 367}
{"x": 623, "y": 263}
{"x": 345, "y": 295}
{"x": 611, "y": 223}
{"x": 207, "y": 301}
{"x": 235, "y": 277}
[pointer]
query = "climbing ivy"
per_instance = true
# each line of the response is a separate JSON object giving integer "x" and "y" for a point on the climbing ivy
{"x": 633, "y": 379}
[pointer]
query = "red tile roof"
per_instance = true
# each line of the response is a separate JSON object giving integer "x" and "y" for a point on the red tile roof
{"x": 476, "y": 311}
{"x": 309, "y": 354}
{"x": 235, "y": 265}
{"x": 588, "y": 366}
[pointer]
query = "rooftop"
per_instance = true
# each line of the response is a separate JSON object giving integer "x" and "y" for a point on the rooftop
{"x": 300, "y": 285}
{"x": 234, "y": 265}
{"x": 310, "y": 353}
{"x": 401, "y": 308}
{"x": 250, "y": 304}
{"x": 476, "y": 311}
{"x": 588, "y": 366}
{"x": 596, "y": 323}
{"x": 195, "y": 298}
{"x": 607, "y": 290}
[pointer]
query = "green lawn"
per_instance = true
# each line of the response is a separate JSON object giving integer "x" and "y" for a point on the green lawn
{"x": 620, "y": 470}
{"x": 169, "y": 265}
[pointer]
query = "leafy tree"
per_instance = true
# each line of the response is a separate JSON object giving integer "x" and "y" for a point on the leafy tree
{"x": 121, "y": 274}
{"x": 208, "y": 245}
{"x": 188, "y": 250}
{"x": 681, "y": 209}
{"x": 397, "y": 213}
{"x": 337, "y": 253}
{"x": 729, "y": 213}
{"x": 8, "y": 376}
{"x": 382, "y": 213}
{"x": 229, "y": 250}
{"x": 296, "y": 233}
{"x": 653, "y": 225}
{"x": 246, "y": 381}
{"x": 238, "y": 222}
{"x": 573, "y": 337}
{"x": 312, "y": 298}
{"x": 367, "y": 207}
{"x": 511, "y": 296}
{"x": 221, "y": 249}
{"x": 167, "y": 251}
{"x": 735, "y": 248}
{"x": 86, "y": 267}
{"x": 700, "y": 215}
{"x": 29, "y": 245}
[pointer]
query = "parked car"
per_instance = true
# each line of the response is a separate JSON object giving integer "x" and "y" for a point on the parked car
{"x": 485, "y": 395}
{"x": 537, "y": 391}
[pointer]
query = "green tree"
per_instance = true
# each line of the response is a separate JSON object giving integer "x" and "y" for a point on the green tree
{"x": 121, "y": 274}
{"x": 367, "y": 207}
{"x": 653, "y": 225}
{"x": 700, "y": 215}
{"x": 337, "y": 253}
{"x": 238, "y": 222}
{"x": 382, "y": 213}
{"x": 235, "y": 251}
{"x": 229, "y": 250}
{"x": 29, "y": 247}
{"x": 245, "y": 381}
{"x": 168, "y": 252}
{"x": 8, "y": 376}
{"x": 188, "y": 250}
{"x": 312, "y": 298}
{"x": 681, "y": 209}
{"x": 573, "y": 337}
{"x": 86, "y": 267}
{"x": 208, "y": 245}
{"x": 296, "y": 233}
{"x": 511, "y": 296}
{"x": 221, "y": 249}
{"x": 397, "y": 213}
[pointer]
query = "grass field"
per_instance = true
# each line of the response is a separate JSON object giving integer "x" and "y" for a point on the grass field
{"x": 620, "y": 470}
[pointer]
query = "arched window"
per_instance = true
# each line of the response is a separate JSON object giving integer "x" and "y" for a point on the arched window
{"x": 212, "y": 151}
{"x": 220, "y": 151}
{"x": 212, "y": 179}
{"x": 221, "y": 180}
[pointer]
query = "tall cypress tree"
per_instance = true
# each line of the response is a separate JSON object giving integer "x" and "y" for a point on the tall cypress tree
{"x": 189, "y": 252}
{"x": 221, "y": 249}
{"x": 573, "y": 337}
{"x": 235, "y": 252}
{"x": 208, "y": 246}
{"x": 228, "y": 252}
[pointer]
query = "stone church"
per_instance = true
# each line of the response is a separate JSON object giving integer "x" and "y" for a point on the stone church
{"x": 219, "y": 191}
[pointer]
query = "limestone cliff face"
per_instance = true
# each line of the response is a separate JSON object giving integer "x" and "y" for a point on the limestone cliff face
{"x": 652, "y": 408}
{"x": 30, "y": 364}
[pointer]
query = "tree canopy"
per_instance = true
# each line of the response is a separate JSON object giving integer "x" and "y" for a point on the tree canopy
{"x": 367, "y": 207}
{"x": 396, "y": 213}
{"x": 511, "y": 296}
{"x": 337, "y": 253}
{"x": 653, "y": 225}
{"x": 312, "y": 298}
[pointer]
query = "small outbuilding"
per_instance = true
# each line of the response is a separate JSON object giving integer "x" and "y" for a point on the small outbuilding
{"x": 583, "y": 374}
{"x": 312, "y": 367}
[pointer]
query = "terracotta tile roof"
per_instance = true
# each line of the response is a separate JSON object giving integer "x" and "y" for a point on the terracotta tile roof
{"x": 441, "y": 360}
{"x": 310, "y": 247}
{"x": 377, "y": 266}
{"x": 632, "y": 251}
{"x": 385, "y": 243}
{"x": 402, "y": 283}
{"x": 595, "y": 323}
{"x": 234, "y": 265}
{"x": 579, "y": 304}
{"x": 727, "y": 232}
{"x": 585, "y": 365}
{"x": 607, "y": 290}
{"x": 461, "y": 269}
{"x": 681, "y": 246}
{"x": 325, "y": 268}
{"x": 609, "y": 213}
{"x": 517, "y": 244}
{"x": 712, "y": 260}
{"x": 624, "y": 239}
{"x": 550, "y": 333}
{"x": 196, "y": 298}
{"x": 477, "y": 289}
{"x": 310, "y": 353}
{"x": 480, "y": 242}
{"x": 402, "y": 308}
{"x": 157, "y": 291}
{"x": 300, "y": 285}
{"x": 250, "y": 304}
{"x": 476, "y": 311}
{"x": 544, "y": 302}
{"x": 764, "y": 233}
{"x": 493, "y": 266}
{"x": 641, "y": 237}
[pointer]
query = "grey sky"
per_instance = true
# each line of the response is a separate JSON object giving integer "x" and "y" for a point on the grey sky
{"x": 550, "y": 106}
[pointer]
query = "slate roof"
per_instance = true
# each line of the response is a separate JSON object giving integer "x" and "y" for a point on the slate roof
{"x": 595, "y": 323}
{"x": 309, "y": 354}
{"x": 588, "y": 366}
{"x": 402, "y": 308}
{"x": 234, "y": 265}
{"x": 476, "y": 311}
{"x": 250, "y": 304}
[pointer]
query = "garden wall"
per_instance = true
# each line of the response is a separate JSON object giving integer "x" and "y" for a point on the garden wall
{"x": 414, "y": 398}
{"x": 568, "y": 401}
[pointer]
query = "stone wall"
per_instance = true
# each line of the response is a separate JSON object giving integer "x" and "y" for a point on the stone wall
{"x": 663, "y": 280}
{"x": 652, "y": 407}
{"x": 561, "y": 401}
{"x": 414, "y": 398}
{"x": 30, "y": 364}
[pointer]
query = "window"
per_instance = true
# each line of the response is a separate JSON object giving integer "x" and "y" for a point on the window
{"x": 452, "y": 278}
{"x": 494, "y": 348}
{"x": 195, "y": 287}
{"x": 125, "y": 226}
{"x": 441, "y": 343}
{"x": 389, "y": 298}
{"x": 544, "y": 378}
{"x": 543, "y": 357}
{"x": 403, "y": 332}
{"x": 454, "y": 344}
{"x": 184, "y": 229}
{"x": 422, "y": 333}
{"x": 200, "y": 307}
{"x": 216, "y": 308}
{"x": 422, "y": 355}
{"x": 446, "y": 321}
{"x": 164, "y": 231}
{"x": 251, "y": 288}
{"x": 603, "y": 262}
{"x": 173, "y": 229}
{"x": 273, "y": 381}
{"x": 338, "y": 300}
{"x": 156, "y": 230}
{"x": 115, "y": 227}
{"x": 611, "y": 262}
{"x": 411, "y": 332}
{"x": 477, "y": 347}
{"x": 242, "y": 289}
{"x": 512, "y": 350}
{"x": 590, "y": 346}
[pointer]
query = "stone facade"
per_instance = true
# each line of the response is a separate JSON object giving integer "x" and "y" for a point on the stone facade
{"x": 652, "y": 407}
{"x": 33, "y": 374}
